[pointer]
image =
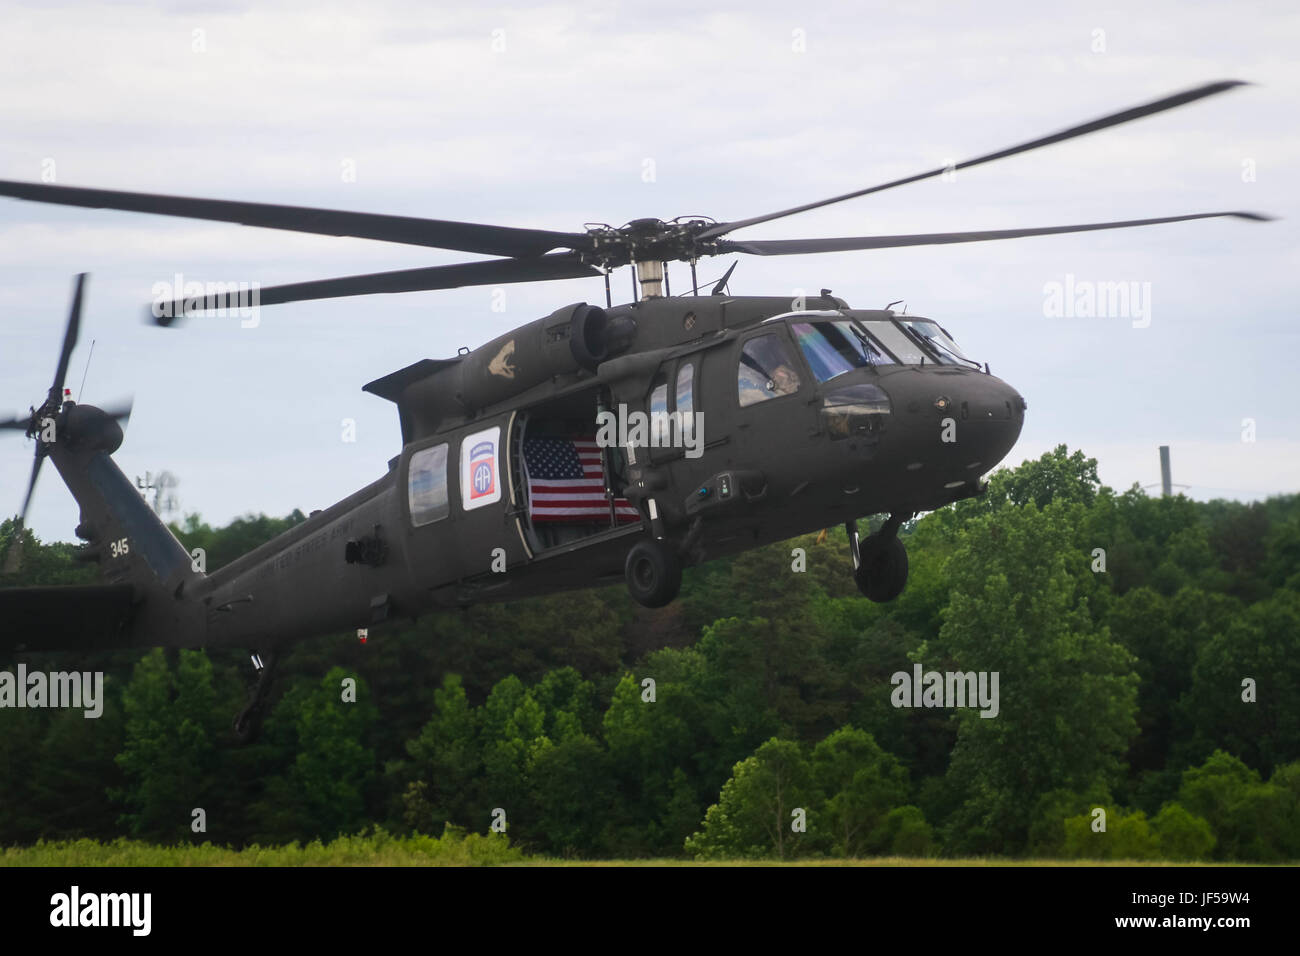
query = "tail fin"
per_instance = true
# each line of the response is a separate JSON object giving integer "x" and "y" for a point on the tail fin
{"x": 143, "y": 568}
{"x": 122, "y": 534}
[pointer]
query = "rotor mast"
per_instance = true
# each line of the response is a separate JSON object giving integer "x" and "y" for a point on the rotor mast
{"x": 650, "y": 277}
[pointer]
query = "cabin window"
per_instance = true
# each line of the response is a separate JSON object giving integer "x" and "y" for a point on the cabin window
{"x": 427, "y": 485}
{"x": 766, "y": 370}
{"x": 686, "y": 389}
{"x": 659, "y": 412}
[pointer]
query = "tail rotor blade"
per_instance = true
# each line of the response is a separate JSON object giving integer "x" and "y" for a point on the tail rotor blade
{"x": 15, "y": 556}
{"x": 120, "y": 411}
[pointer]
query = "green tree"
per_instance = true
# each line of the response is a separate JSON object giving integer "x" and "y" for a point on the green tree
{"x": 1181, "y": 835}
{"x": 755, "y": 812}
{"x": 1067, "y": 691}
{"x": 1057, "y": 475}
{"x": 572, "y": 791}
{"x": 904, "y": 832}
{"x": 169, "y": 756}
{"x": 1047, "y": 826}
{"x": 1251, "y": 820}
{"x": 445, "y": 763}
{"x": 1127, "y": 836}
{"x": 334, "y": 768}
{"x": 651, "y": 747}
{"x": 862, "y": 784}
{"x": 1262, "y": 645}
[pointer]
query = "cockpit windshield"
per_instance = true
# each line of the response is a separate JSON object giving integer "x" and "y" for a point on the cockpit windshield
{"x": 835, "y": 347}
{"x": 938, "y": 341}
{"x": 905, "y": 349}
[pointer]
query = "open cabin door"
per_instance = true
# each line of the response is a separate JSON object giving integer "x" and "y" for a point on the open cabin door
{"x": 567, "y": 484}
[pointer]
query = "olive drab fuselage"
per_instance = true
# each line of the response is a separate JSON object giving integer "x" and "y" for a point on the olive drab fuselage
{"x": 759, "y": 472}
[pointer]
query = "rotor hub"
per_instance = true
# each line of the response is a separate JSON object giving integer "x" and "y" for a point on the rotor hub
{"x": 649, "y": 240}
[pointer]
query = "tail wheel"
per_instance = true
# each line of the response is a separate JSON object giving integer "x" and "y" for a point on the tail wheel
{"x": 882, "y": 573}
{"x": 654, "y": 572}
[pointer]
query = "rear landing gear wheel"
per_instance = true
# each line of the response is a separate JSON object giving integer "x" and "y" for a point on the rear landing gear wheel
{"x": 881, "y": 565}
{"x": 654, "y": 572}
{"x": 248, "y": 722}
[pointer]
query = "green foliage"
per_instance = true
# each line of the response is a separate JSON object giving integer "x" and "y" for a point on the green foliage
{"x": 169, "y": 756}
{"x": 1068, "y": 691}
{"x": 445, "y": 761}
{"x": 453, "y": 848}
{"x": 334, "y": 767}
{"x": 42, "y": 564}
{"x": 755, "y": 812}
{"x": 1263, "y": 645}
{"x": 223, "y": 545}
{"x": 1251, "y": 820}
{"x": 862, "y": 785}
{"x": 604, "y": 729}
{"x": 904, "y": 832}
{"x": 849, "y": 799}
{"x": 1047, "y": 825}
{"x": 1181, "y": 835}
{"x": 1057, "y": 476}
{"x": 1127, "y": 836}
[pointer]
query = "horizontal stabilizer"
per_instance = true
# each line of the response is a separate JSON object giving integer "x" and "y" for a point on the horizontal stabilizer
{"x": 392, "y": 385}
{"x": 78, "y": 617}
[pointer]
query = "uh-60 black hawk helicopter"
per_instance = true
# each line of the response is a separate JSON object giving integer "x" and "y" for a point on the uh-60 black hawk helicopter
{"x": 524, "y": 466}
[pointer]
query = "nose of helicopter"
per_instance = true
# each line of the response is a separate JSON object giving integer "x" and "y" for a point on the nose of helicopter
{"x": 991, "y": 413}
{"x": 957, "y": 425}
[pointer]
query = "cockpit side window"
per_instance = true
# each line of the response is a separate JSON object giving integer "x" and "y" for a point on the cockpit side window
{"x": 938, "y": 341}
{"x": 766, "y": 370}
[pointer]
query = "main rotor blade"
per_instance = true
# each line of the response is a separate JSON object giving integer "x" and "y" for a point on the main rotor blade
{"x": 1113, "y": 119}
{"x": 17, "y": 424}
{"x": 69, "y": 339}
{"x": 564, "y": 265}
{"x": 436, "y": 233}
{"x": 791, "y": 247}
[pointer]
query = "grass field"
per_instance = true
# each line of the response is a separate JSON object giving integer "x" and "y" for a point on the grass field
{"x": 452, "y": 849}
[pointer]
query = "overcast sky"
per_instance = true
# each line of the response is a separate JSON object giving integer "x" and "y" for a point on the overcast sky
{"x": 555, "y": 115}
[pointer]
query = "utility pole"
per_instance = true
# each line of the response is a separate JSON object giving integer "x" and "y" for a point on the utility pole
{"x": 1166, "y": 477}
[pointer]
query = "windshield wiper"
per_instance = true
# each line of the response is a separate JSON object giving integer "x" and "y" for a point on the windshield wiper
{"x": 960, "y": 358}
{"x": 923, "y": 338}
{"x": 867, "y": 347}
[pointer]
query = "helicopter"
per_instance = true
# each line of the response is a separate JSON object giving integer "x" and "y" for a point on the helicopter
{"x": 594, "y": 444}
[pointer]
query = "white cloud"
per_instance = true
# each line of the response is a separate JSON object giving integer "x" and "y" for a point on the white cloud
{"x": 552, "y": 132}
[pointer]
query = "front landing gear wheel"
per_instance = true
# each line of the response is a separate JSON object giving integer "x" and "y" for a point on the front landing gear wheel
{"x": 881, "y": 574}
{"x": 654, "y": 572}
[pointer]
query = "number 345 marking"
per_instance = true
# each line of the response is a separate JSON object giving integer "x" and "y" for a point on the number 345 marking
{"x": 120, "y": 548}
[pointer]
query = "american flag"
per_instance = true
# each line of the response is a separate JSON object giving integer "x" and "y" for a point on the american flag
{"x": 565, "y": 482}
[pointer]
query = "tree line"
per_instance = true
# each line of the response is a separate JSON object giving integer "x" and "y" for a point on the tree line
{"x": 1148, "y": 652}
